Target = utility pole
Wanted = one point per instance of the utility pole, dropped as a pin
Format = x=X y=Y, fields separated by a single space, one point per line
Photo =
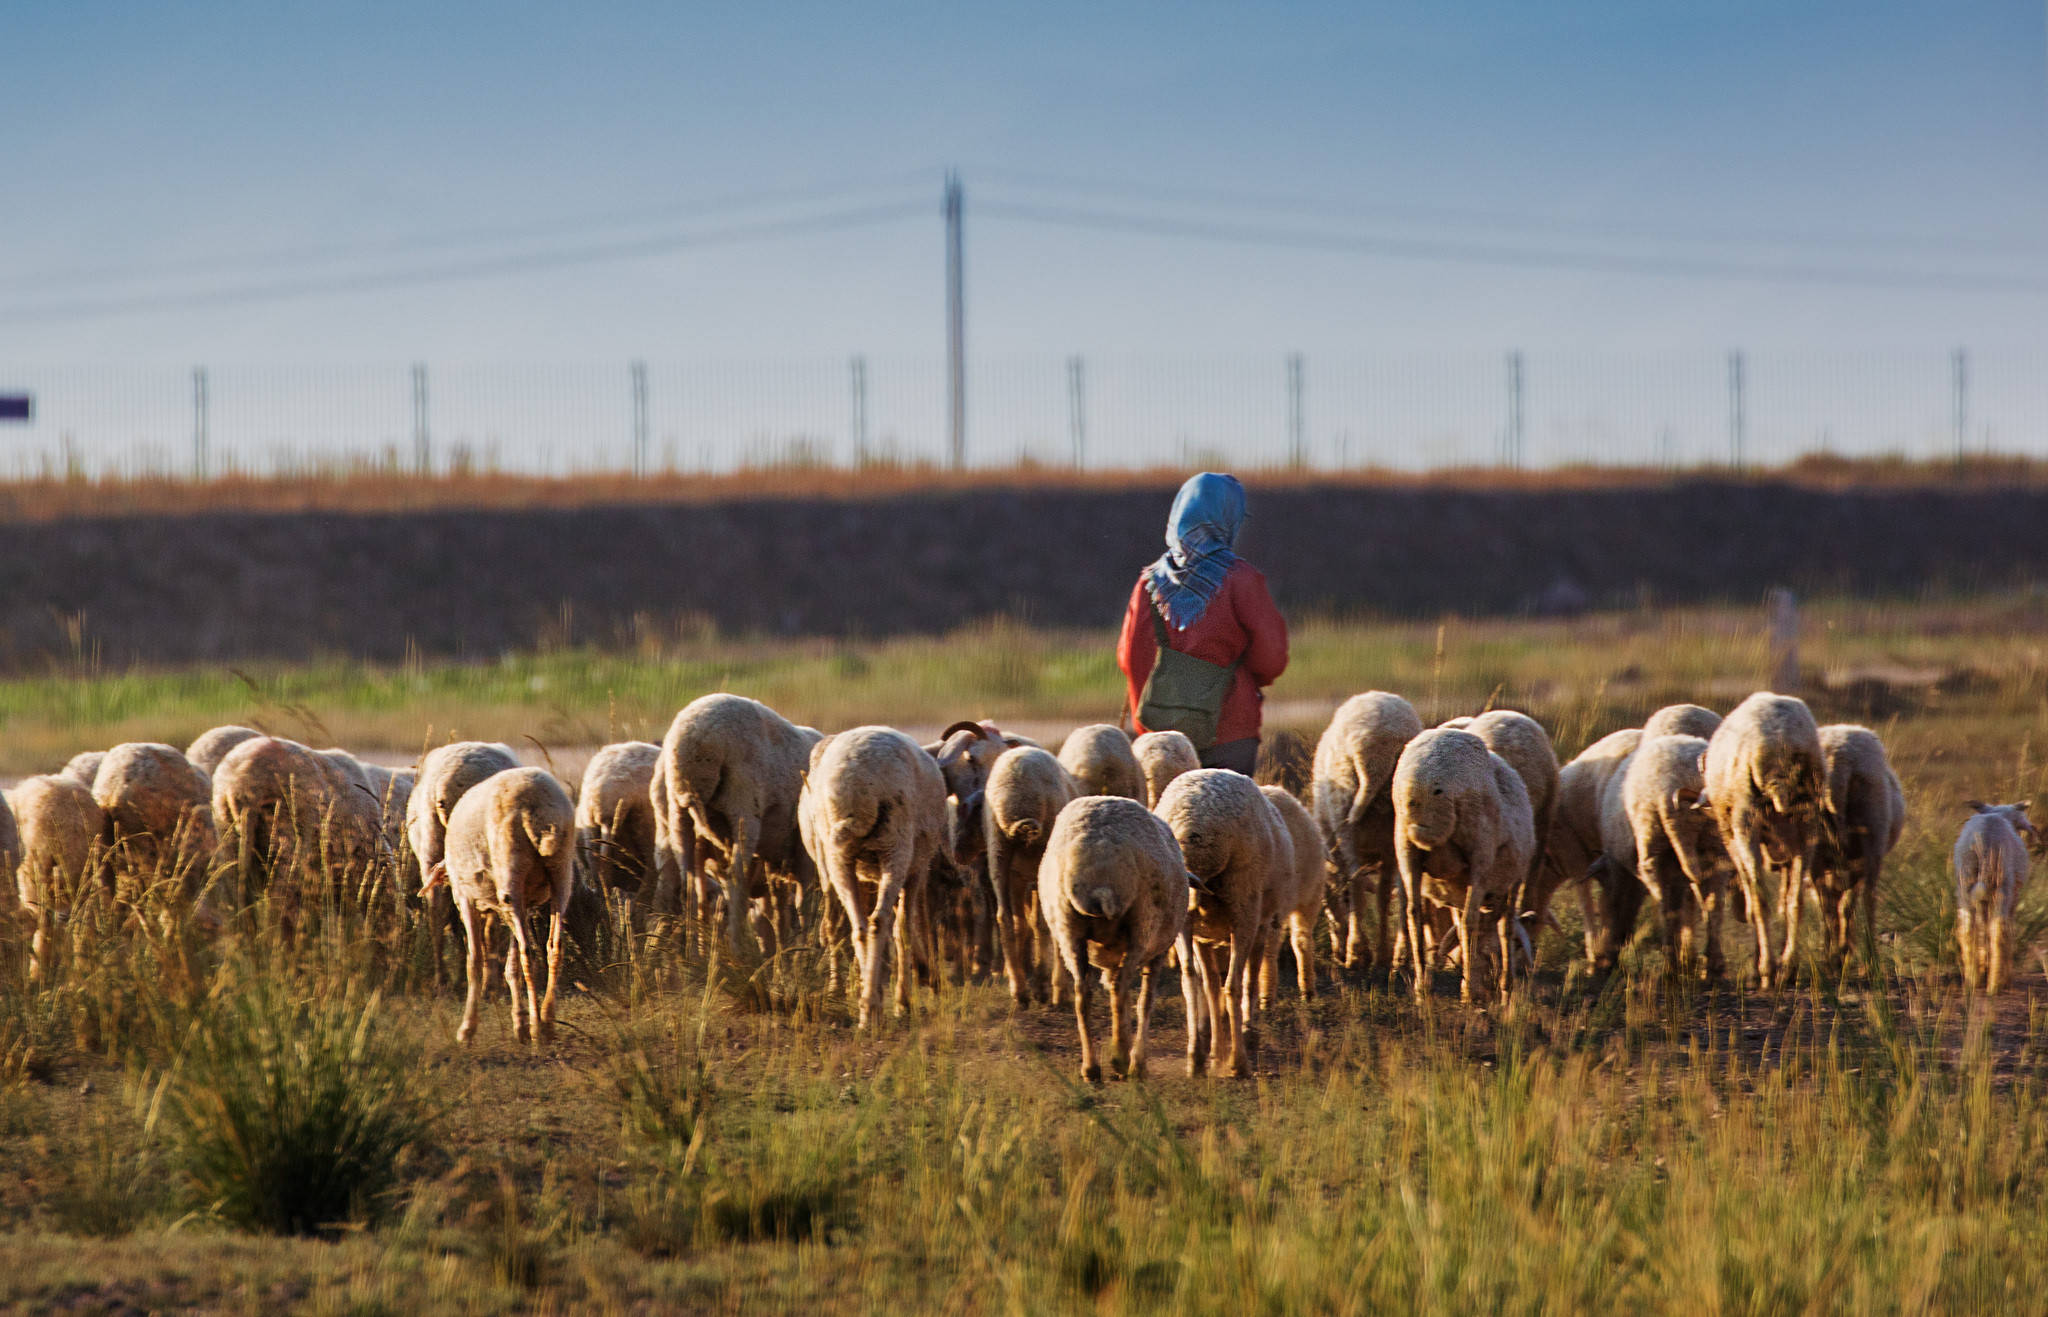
x=422 y=447
x=1297 y=428
x=1959 y=368
x=858 y=369
x=640 y=419
x=956 y=323
x=199 y=409
x=1511 y=444
x=1738 y=420
x=1077 y=411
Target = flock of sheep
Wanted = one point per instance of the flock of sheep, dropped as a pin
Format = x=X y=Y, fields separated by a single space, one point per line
x=1115 y=856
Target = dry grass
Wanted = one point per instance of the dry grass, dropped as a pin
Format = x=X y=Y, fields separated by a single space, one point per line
x=700 y=1139
x=380 y=487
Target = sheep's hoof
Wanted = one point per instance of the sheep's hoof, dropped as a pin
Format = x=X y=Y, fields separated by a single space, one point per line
x=1237 y=1070
x=1091 y=1074
x=465 y=1033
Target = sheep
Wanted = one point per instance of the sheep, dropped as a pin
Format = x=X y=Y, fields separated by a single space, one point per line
x=1990 y=864
x=1354 y=764
x=84 y=766
x=1521 y=740
x=1682 y=720
x=353 y=769
x=158 y=813
x=873 y=819
x=210 y=747
x=1100 y=760
x=58 y=825
x=446 y=774
x=1462 y=821
x=1026 y=791
x=290 y=809
x=393 y=789
x=1866 y=813
x=1231 y=840
x=10 y=862
x=510 y=846
x=1162 y=757
x=965 y=753
x=615 y=819
x=1767 y=794
x=1113 y=891
x=1656 y=838
x=734 y=769
x=1575 y=844
x=1296 y=896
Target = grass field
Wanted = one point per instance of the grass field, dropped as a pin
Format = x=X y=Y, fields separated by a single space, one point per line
x=704 y=1139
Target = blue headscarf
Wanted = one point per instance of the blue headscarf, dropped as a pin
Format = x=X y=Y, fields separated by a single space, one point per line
x=1207 y=515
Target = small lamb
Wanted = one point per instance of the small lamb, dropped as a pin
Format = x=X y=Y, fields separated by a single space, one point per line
x=1990 y=863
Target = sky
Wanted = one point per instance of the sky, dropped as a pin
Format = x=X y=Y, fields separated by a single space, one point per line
x=261 y=183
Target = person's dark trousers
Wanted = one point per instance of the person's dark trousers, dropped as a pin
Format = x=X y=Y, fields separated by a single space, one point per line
x=1240 y=756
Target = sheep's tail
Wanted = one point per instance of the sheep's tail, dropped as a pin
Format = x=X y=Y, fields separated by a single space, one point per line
x=1025 y=832
x=1100 y=902
x=847 y=831
x=547 y=840
x=1369 y=789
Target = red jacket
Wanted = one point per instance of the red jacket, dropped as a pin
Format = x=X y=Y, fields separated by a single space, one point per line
x=1240 y=626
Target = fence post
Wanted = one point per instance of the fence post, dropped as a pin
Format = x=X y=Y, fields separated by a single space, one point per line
x=858 y=369
x=1077 y=411
x=422 y=446
x=1783 y=608
x=1511 y=442
x=639 y=373
x=199 y=419
x=1738 y=420
x=1297 y=427
x=1959 y=384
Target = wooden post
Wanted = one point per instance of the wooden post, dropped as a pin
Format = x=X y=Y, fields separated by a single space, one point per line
x=1783 y=607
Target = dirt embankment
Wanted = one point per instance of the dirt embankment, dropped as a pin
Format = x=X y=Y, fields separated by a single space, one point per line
x=233 y=586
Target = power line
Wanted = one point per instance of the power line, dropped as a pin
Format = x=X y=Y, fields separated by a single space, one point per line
x=483 y=268
x=1507 y=254
x=1141 y=193
x=422 y=242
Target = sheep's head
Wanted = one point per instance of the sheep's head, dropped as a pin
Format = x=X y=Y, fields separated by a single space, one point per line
x=966 y=752
x=2015 y=814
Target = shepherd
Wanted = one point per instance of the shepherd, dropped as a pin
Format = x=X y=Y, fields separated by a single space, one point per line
x=1201 y=637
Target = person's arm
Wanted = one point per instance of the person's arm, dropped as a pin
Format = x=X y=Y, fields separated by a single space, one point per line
x=1136 y=649
x=1266 y=656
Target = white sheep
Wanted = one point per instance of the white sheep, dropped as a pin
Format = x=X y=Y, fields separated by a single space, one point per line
x=1682 y=720
x=159 y=813
x=1866 y=814
x=446 y=774
x=1162 y=757
x=1575 y=843
x=351 y=768
x=210 y=747
x=1231 y=840
x=1026 y=791
x=615 y=819
x=733 y=771
x=1767 y=794
x=1464 y=833
x=59 y=825
x=1655 y=838
x=290 y=810
x=1990 y=864
x=510 y=850
x=1113 y=892
x=1354 y=811
x=1100 y=760
x=873 y=819
x=84 y=767
x=964 y=900
x=1296 y=897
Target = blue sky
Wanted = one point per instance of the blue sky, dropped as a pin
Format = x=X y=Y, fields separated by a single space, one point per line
x=175 y=151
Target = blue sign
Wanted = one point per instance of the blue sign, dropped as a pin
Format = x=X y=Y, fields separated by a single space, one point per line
x=17 y=407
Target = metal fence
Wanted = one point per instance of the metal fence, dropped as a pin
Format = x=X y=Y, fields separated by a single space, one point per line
x=1413 y=411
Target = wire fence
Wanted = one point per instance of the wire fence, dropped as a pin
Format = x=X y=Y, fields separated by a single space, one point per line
x=1415 y=411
